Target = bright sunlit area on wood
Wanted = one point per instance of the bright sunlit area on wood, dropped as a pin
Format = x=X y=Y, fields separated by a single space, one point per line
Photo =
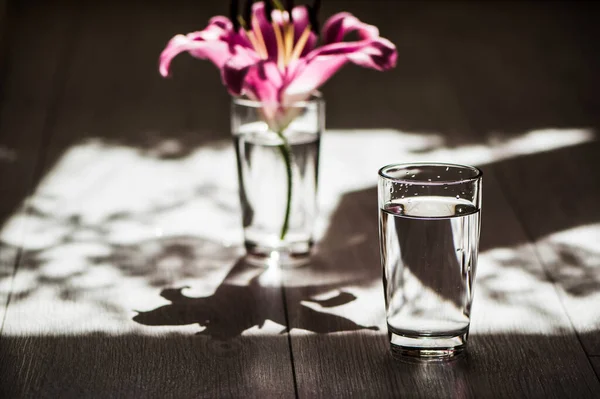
x=110 y=226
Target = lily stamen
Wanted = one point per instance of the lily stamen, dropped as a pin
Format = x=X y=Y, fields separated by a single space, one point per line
x=260 y=40
x=289 y=40
x=248 y=33
x=280 y=48
x=252 y=39
x=300 y=44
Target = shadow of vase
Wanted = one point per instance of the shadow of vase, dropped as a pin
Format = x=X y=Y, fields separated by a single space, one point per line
x=234 y=308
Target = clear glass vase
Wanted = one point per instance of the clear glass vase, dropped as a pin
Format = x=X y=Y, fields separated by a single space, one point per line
x=277 y=150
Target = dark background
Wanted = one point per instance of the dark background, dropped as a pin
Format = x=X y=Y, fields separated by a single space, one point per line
x=511 y=66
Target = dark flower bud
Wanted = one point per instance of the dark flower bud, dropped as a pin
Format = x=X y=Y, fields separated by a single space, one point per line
x=268 y=10
x=289 y=7
x=313 y=12
x=233 y=14
x=248 y=13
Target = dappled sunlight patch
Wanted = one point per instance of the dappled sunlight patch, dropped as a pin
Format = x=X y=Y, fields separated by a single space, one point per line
x=350 y=159
x=572 y=258
x=101 y=186
x=24 y=282
x=516 y=294
x=538 y=141
x=111 y=226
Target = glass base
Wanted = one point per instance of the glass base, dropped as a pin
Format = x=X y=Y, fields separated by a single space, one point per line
x=289 y=256
x=414 y=347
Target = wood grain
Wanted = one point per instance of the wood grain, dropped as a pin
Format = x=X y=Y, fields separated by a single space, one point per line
x=131 y=365
x=165 y=354
x=517 y=312
x=118 y=229
x=596 y=363
x=541 y=187
x=489 y=370
x=521 y=322
x=566 y=241
x=506 y=95
x=28 y=91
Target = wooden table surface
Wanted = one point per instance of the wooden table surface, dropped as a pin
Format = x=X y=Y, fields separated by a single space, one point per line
x=120 y=266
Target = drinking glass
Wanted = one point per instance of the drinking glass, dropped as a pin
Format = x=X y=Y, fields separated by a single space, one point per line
x=429 y=224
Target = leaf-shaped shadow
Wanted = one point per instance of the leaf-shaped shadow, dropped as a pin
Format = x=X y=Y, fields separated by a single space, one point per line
x=233 y=308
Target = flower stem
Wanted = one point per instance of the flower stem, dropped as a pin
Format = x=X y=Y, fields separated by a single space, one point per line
x=284 y=149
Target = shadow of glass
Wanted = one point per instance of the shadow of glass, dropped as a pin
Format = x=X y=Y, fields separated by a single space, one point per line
x=552 y=191
x=350 y=249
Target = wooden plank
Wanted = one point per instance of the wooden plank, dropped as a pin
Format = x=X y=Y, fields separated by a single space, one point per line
x=8 y=258
x=503 y=92
x=596 y=363
x=127 y=214
x=97 y=366
x=78 y=338
x=517 y=317
x=554 y=192
x=567 y=241
x=27 y=93
x=513 y=324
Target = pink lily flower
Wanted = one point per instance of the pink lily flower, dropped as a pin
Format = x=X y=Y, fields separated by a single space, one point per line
x=273 y=56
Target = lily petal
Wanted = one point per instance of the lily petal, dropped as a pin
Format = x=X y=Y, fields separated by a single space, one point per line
x=340 y=24
x=216 y=42
x=266 y=28
x=301 y=22
x=235 y=70
x=378 y=53
x=264 y=81
x=322 y=63
x=310 y=76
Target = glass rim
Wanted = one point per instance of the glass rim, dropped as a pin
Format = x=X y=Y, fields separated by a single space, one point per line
x=315 y=98
x=382 y=173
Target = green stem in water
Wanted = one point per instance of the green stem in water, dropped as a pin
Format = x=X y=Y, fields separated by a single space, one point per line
x=286 y=155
